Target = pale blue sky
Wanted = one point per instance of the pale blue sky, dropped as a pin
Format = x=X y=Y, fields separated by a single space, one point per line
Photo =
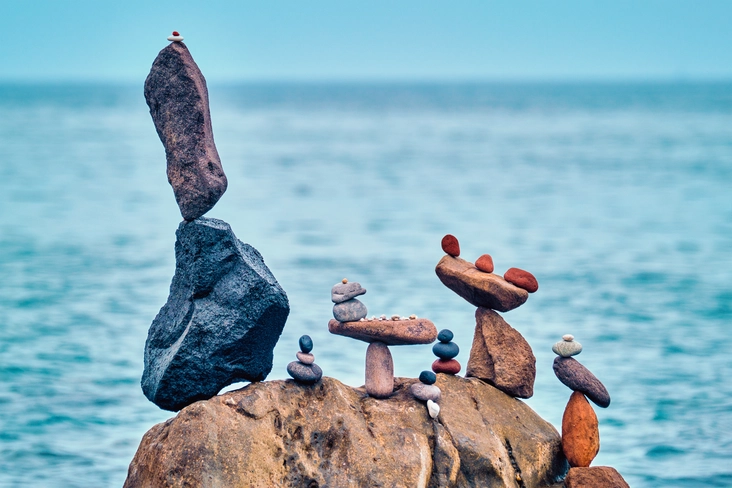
x=46 y=40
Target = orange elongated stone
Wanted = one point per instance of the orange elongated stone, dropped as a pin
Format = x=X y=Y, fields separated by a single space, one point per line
x=580 y=432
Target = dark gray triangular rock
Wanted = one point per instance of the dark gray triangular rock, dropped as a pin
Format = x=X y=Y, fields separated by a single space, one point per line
x=223 y=317
x=175 y=91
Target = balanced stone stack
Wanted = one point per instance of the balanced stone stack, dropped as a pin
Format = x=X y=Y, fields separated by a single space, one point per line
x=428 y=392
x=225 y=311
x=304 y=370
x=350 y=321
x=580 y=429
x=499 y=354
x=445 y=350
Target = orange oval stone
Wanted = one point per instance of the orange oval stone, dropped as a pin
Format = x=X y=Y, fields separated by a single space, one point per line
x=451 y=245
x=485 y=263
x=522 y=279
x=580 y=432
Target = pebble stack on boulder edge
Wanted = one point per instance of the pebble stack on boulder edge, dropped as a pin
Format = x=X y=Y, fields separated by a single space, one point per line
x=445 y=350
x=499 y=354
x=580 y=429
x=225 y=311
x=176 y=92
x=304 y=370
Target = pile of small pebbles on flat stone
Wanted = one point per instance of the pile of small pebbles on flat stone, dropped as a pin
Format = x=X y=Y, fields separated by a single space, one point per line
x=347 y=307
x=304 y=370
x=446 y=350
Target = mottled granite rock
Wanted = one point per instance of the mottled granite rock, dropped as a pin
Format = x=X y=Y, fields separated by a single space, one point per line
x=578 y=378
x=223 y=317
x=175 y=91
x=281 y=434
x=501 y=356
x=350 y=310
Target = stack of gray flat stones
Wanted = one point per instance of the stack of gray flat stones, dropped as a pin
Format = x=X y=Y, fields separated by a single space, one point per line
x=304 y=370
x=347 y=307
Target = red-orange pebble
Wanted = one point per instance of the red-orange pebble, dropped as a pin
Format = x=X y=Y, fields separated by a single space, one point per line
x=447 y=366
x=451 y=245
x=522 y=279
x=485 y=263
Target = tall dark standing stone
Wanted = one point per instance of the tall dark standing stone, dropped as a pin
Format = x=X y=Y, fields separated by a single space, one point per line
x=175 y=91
x=223 y=317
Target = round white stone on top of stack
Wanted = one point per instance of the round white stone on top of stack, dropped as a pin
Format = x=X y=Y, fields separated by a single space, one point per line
x=567 y=347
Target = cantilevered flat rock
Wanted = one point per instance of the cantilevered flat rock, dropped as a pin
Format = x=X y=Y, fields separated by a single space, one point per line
x=390 y=332
x=481 y=289
x=175 y=91
x=223 y=317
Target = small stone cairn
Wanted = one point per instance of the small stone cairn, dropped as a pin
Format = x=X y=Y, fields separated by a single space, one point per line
x=350 y=321
x=428 y=392
x=446 y=351
x=580 y=429
x=499 y=355
x=304 y=370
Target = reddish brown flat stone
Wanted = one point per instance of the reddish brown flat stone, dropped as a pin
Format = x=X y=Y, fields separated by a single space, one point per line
x=485 y=263
x=451 y=245
x=580 y=432
x=595 y=477
x=522 y=279
x=447 y=366
x=175 y=91
x=478 y=288
x=390 y=332
x=501 y=356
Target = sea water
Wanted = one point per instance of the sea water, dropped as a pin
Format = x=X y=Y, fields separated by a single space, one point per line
x=617 y=197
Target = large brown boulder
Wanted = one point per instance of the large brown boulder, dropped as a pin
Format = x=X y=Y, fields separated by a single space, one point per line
x=280 y=433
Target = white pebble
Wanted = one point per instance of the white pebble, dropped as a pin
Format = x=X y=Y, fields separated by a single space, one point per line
x=383 y=317
x=394 y=317
x=433 y=409
x=175 y=38
x=412 y=317
x=568 y=337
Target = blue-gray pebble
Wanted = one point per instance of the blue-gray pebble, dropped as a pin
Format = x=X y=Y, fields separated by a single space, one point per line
x=306 y=344
x=304 y=373
x=445 y=350
x=445 y=335
x=427 y=377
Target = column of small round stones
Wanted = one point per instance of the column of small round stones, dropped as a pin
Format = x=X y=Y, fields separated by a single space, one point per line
x=428 y=392
x=580 y=430
x=347 y=307
x=304 y=370
x=446 y=351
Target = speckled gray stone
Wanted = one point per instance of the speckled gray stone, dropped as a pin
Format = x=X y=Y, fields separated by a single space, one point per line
x=425 y=392
x=305 y=358
x=345 y=291
x=349 y=311
x=567 y=348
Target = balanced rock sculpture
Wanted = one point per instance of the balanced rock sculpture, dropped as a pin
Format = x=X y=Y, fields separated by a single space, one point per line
x=499 y=355
x=175 y=91
x=380 y=334
x=223 y=317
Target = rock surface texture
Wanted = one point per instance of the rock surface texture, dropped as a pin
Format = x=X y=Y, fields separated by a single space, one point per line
x=578 y=378
x=594 y=477
x=501 y=356
x=478 y=288
x=281 y=434
x=175 y=91
x=223 y=317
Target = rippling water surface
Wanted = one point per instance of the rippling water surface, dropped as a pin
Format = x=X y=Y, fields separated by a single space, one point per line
x=617 y=197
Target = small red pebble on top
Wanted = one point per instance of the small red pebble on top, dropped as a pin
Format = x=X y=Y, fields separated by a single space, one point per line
x=522 y=279
x=451 y=245
x=485 y=263
x=176 y=33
